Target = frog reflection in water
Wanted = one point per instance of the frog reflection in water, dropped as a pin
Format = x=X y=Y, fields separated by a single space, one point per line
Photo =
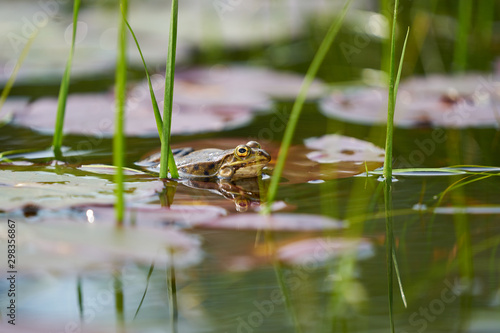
x=233 y=169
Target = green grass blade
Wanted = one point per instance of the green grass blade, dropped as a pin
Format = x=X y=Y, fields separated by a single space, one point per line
x=63 y=90
x=159 y=123
x=485 y=21
x=297 y=106
x=280 y=277
x=394 y=257
x=400 y=68
x=398 y=274
x=385 y=9
x=119 y=302
x=462 y=36
x=393 y=90
x=169 y=91
x=79 y=292
x=151 y=268
x=119 y=135
x=172 y=293
x=389 y=243
x=10 y=82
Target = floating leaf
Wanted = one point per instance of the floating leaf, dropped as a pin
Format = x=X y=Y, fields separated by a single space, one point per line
x=51 y=188
x=219 y=83
x=67 y=246
x=477 y=210
x=334 y=148
x=92 y=115
x=332 y=156
x=419 y=172
x=10 y=106
x=317 y=251
x=279 y=221
x=154 y=216
x=443 y=101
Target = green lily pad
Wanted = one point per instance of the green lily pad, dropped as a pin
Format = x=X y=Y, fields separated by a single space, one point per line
x=49 y=187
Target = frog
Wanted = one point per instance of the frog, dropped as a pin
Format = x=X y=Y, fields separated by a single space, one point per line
x=244 y=161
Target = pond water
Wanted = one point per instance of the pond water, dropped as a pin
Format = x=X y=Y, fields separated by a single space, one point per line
x=197 y=256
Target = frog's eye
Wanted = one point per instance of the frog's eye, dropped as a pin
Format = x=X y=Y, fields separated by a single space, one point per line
x=242 y=151
x=253 y=144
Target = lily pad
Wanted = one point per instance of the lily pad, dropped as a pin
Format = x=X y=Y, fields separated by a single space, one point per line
x=443 y=101
x=471 y=210
x=93 y=115
x=329 y=157
x=51 y=188
x=10 y=106
x=422 y=172
x=57 y=244
x=317 y=251
x=231 y=82
x=334 y=148
x=278 y=222
x=154 y=216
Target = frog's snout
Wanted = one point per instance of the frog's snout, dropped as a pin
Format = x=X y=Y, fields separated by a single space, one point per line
x=264 y=155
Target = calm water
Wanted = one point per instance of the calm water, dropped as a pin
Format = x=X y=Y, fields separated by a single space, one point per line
x=448 y=256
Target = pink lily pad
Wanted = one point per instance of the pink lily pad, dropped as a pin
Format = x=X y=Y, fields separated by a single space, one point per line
x=334 y=148
x=93 y=115
x=155 y=216
x=59 y=244
x=317 y=251
x=279 y=222
x=11 y=106
x=442 y=101
x=229 y=81
x=328 y=157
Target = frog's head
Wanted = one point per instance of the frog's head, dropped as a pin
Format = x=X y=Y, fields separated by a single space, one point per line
x=244 y=162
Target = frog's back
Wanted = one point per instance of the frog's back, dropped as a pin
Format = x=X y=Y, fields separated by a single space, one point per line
x=201 y=163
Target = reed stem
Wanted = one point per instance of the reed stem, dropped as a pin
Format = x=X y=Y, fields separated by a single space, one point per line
x=63 y=90
x=159 y=123
x=169 y=91
x=464 y=22
x=119 y=135
x=299 y=103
